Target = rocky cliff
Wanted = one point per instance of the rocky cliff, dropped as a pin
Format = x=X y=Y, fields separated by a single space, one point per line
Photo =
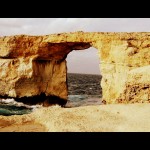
x=35 y=66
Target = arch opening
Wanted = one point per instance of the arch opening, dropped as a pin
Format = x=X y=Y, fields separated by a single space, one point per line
x=83 y=78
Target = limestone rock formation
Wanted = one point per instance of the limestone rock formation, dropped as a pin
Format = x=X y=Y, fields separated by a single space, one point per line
x=35 y=65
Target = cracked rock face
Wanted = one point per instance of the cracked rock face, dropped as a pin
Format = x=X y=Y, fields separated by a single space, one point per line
x=33 y=65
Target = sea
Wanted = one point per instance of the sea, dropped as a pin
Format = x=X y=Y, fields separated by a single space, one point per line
x=83 y=90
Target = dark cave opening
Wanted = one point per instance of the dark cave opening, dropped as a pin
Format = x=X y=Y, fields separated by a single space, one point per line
x=41 y=99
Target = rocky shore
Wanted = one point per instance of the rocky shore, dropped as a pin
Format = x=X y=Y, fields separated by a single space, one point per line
x=102 y=118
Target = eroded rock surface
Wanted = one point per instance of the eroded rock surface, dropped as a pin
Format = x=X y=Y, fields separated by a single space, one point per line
x=35 y=65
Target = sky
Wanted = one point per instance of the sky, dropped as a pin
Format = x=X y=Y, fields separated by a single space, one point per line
x=85 y=61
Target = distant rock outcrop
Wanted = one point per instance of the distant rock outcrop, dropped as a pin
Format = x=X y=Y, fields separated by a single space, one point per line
x=35 y=65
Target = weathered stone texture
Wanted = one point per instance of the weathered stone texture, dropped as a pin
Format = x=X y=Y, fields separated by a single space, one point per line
x=124 y=67
x=31 y=65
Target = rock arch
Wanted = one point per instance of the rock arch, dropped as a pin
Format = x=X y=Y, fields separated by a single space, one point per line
x=33 y=65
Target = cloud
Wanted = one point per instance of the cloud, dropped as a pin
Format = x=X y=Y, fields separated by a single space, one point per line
x=84 y=61
x=41 y=26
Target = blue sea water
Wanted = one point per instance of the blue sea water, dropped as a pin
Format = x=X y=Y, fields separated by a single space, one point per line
x=73 y=101
x=83 y=90
x=8 y=110
x=83 y=100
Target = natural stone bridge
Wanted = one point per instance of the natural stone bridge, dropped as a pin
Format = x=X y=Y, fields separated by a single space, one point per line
x=33 y=67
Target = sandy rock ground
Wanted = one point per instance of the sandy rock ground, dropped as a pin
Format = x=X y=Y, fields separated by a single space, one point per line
x=102 y=118
x=22 y=123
